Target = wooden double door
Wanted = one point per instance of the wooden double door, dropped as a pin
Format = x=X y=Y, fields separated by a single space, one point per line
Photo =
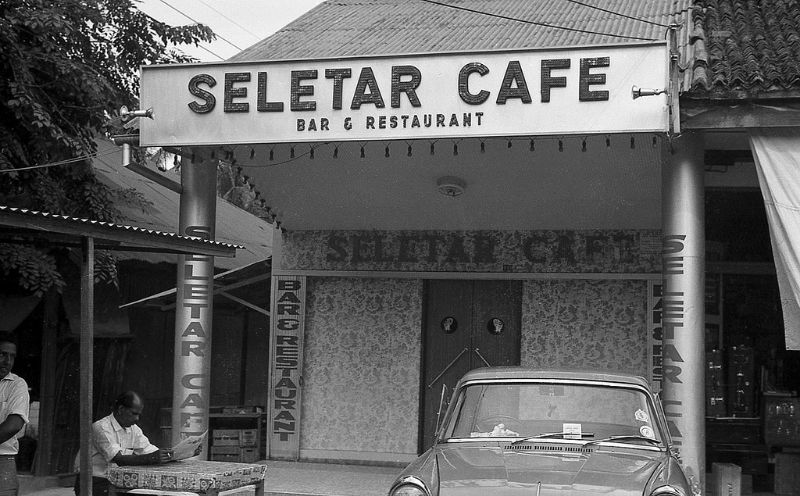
x=468 y=324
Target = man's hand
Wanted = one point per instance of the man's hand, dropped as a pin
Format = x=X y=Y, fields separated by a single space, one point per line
x=163 y=456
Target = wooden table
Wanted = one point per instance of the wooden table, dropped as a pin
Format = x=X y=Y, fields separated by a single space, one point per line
x=195 y=476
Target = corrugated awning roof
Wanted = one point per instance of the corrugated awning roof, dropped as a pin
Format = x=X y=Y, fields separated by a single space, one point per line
x=19 y=225
x=339 y=28
x=161 y=208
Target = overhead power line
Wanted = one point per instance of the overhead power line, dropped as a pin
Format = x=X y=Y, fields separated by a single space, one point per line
x=198 y=45
x=582 y=4
x=258 y=38
x=535 y=23
x=201 y=47
x=198 y=22
x=60 y=162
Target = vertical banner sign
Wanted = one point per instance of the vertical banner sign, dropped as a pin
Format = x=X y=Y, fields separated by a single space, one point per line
x=288 y=311
x=194 y=304
x=655 y=334
x=683 y=304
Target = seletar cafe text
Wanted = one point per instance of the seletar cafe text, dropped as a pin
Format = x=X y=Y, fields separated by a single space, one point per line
x=481 y=94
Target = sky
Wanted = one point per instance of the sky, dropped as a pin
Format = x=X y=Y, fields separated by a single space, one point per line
x=238 y=24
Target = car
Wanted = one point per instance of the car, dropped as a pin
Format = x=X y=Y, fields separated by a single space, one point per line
x=523 y=431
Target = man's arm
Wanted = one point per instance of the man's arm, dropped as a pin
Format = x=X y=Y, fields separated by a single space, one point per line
x=102 y=435
x=10 y=427
x=154 y=458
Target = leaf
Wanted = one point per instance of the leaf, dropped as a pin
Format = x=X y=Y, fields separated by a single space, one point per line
x=67 y=66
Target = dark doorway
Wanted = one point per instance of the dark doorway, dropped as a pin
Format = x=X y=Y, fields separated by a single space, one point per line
x=468 y=324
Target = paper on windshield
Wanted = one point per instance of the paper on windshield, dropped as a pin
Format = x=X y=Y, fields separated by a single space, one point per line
x=572 y=431
x=187 y=448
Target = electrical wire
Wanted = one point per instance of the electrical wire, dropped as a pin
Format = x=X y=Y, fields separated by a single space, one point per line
x=198 y=22
x=582 y=4
x=535 y=23
x=60 y=162
x=201 y=47
x=178 y=46
x=258 y=38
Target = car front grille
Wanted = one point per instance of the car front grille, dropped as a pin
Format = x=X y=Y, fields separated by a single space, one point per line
x=550 y=448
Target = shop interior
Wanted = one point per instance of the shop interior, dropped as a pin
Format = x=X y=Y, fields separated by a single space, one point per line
x=752 y=381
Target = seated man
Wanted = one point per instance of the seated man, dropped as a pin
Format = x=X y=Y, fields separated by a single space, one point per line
x=116 y=439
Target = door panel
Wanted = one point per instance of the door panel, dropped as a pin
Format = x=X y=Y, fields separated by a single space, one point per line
x=446 y=353
x=450 y=352
x=497 y=300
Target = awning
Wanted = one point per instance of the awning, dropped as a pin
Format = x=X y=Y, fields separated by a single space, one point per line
x=27 y=226
x=161 y=207
x=777 y=158
x=19 y=225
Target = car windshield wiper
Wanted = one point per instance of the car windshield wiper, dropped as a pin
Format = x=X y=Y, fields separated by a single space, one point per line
x=612 y=439
x=562 y=435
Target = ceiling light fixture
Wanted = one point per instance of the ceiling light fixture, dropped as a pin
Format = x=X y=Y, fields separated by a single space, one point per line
x=450 y=186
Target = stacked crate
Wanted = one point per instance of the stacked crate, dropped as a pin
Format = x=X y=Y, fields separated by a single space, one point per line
x=234 y=445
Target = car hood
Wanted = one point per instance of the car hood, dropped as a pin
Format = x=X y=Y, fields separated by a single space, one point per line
x=561 y=469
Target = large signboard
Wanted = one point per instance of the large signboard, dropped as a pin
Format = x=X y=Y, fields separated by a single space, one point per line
x=456 y=95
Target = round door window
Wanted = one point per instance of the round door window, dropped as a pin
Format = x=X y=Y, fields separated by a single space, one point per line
x=495 y=325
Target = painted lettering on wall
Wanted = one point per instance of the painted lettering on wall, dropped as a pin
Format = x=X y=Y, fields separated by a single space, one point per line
x=672 y=316
x=195 y=339
x=618 y=251
x=655 y=333
x=288 y=317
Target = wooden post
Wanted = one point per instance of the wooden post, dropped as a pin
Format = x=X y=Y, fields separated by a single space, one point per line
x=43 y=459
x=87 y=362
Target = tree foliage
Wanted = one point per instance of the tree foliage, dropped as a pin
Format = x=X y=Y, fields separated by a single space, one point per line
x=68 y=66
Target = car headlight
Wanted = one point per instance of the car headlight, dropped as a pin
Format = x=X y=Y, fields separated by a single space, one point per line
x=409 y=486
x=408 y=490
x=667 y=491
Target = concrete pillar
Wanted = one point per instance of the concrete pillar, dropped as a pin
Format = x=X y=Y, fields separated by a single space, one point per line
x=191 y=387
x=683 y=302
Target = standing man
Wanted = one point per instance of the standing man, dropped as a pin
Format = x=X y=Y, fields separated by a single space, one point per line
x=116 y=439
x=14 y=405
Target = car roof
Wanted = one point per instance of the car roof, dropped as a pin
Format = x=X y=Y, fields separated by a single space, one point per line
x=516 y=373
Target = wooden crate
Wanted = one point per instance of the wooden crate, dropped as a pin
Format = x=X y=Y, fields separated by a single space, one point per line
x=787 y=474
x=726 y=479
x=249 y=455
x=225 y=437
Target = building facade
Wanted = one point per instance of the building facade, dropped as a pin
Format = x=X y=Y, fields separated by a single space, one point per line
x=485 y=184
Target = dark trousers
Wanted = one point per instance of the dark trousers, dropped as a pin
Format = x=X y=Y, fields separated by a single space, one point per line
x=9 y=485
x=100 y=486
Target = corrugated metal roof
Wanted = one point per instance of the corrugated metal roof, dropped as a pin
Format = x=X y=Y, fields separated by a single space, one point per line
x=161 y=212
x=108 y=227
x=339 y=28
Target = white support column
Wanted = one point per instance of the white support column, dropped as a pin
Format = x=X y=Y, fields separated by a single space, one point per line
x=194 y=306
x=683 y=302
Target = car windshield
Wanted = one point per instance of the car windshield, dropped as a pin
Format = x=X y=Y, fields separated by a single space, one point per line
x=552 y=411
